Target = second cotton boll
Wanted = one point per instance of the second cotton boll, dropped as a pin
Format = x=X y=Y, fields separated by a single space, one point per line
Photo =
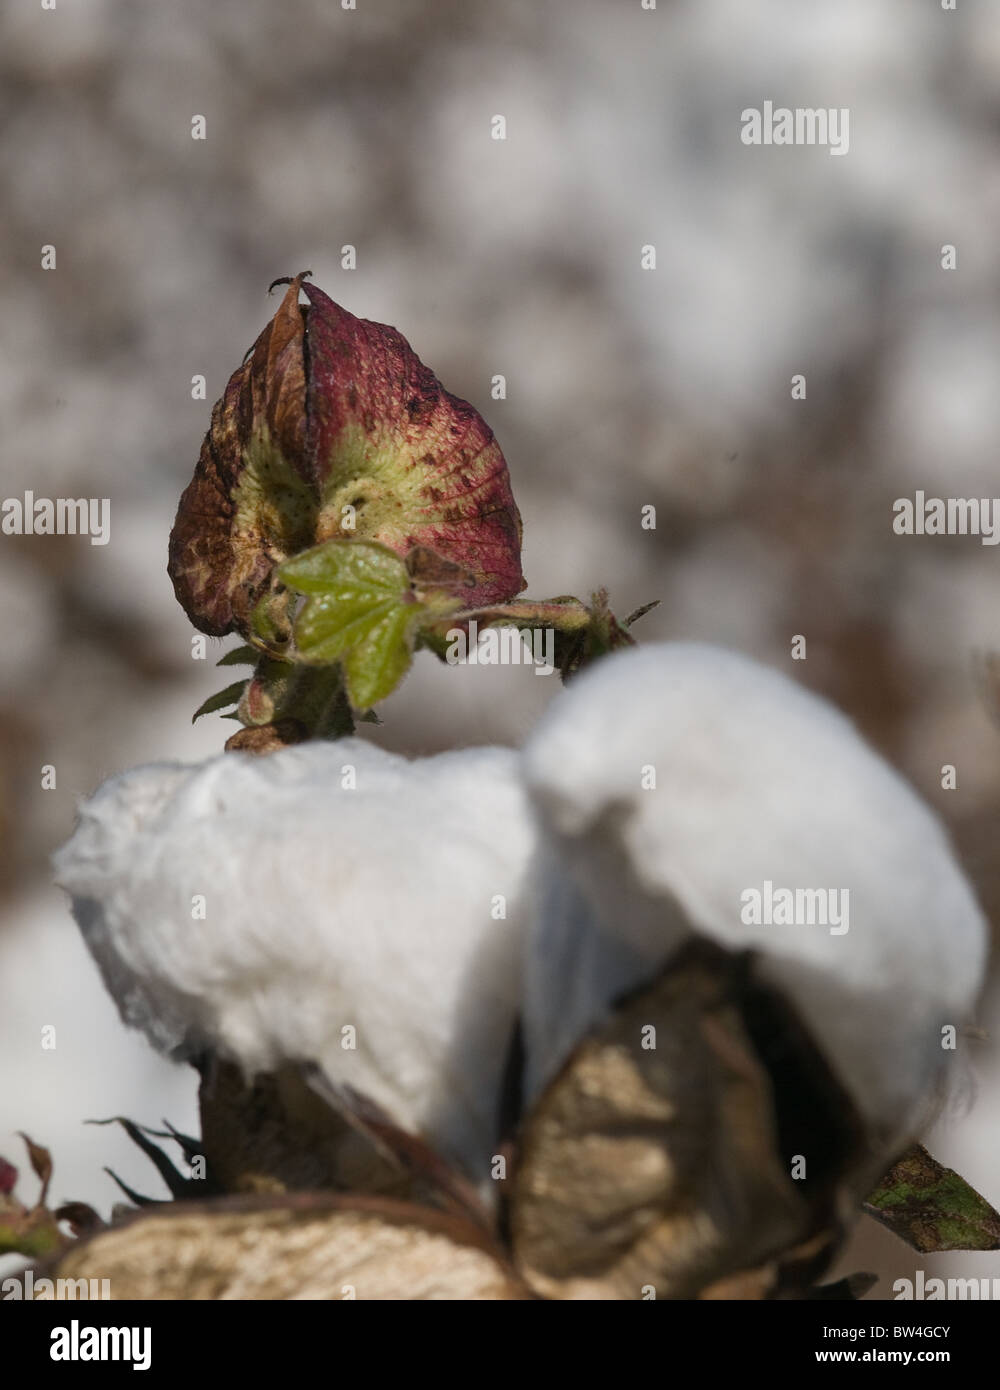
x=684 y=791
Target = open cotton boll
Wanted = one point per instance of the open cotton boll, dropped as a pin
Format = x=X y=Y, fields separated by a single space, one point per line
x=260 y=907
x=675 y=783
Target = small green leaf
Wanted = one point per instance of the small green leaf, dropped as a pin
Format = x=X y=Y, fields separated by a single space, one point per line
x=360 y=611
x=351 y=565
x=230 y=696
x=932 y=1208
x=330 y=626
x=373 y=669
x=240 y=656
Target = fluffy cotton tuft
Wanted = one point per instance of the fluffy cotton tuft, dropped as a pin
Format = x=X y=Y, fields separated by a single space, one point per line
x=377 y=907
x=324 y=907
x=756 y=780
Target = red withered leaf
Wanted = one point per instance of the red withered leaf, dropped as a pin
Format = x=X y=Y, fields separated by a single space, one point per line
x=333 y=427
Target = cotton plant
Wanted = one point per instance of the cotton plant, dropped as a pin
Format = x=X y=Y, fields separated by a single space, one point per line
x=495 y=1023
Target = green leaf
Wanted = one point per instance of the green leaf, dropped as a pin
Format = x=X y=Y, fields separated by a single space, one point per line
x=240 y=656
x=364 y=566
x=230 y=696
x=360 y=611
x=932 y=1208
x=372 y=670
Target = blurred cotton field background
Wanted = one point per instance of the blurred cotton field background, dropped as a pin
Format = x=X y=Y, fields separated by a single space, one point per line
x=625 y=387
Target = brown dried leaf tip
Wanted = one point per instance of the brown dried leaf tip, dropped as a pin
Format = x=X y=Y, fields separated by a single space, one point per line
x=34 y=1231
x=332 y=428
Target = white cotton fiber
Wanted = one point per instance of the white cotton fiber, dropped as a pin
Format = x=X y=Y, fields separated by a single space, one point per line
x=756 y=781
x=325 y=908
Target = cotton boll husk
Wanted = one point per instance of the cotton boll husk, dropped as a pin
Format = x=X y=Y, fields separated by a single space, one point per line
x=756 y=779
x=324 y=907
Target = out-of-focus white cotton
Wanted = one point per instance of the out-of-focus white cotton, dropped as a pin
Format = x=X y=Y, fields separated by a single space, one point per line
x=756 y=781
